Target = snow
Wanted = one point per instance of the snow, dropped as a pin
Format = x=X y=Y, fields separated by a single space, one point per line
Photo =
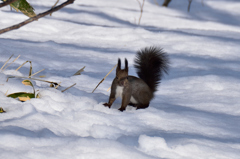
x=195 y=113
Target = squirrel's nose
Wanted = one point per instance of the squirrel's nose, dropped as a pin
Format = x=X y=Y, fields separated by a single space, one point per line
x=121 y=83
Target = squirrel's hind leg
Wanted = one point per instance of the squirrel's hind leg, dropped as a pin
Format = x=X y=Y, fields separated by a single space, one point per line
x=142 y=106
x=131 y=104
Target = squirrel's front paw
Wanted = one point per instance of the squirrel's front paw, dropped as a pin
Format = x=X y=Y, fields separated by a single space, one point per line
x=107 y=105
x=121 y=109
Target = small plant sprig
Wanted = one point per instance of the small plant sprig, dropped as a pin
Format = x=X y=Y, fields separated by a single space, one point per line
x=24 y=96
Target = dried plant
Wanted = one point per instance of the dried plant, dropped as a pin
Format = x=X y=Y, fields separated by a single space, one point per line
x=24 y=96
x=141 y=9
x=104 y=78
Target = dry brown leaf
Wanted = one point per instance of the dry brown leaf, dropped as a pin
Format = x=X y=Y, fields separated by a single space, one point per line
x=24 y=98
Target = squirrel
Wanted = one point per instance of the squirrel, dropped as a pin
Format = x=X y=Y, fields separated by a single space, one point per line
x=151 y=63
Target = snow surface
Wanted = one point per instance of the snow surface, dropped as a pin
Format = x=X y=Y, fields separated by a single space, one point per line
x=194 y=115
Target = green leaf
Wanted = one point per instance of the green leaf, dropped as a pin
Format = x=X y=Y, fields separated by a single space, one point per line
x=24 y=7
x=22 y=96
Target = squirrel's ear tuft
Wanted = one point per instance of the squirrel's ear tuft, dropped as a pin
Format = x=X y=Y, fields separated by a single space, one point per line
x=126 y=64
x=119 y=64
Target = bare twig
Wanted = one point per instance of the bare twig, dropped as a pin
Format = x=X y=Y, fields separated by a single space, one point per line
x=21 y=65
x=36 y=17
x=54 y=6
x=104 y=78
x=79 y=71
x=6 y=93
x=36 y=73
x=11 y=63
x=6 y=62
x=69 y=87
x=141 y=7
x=189 y=4
x=7 y=3
x=55 y=83
x=58 y=85
x=30 y=70
x=109 y=88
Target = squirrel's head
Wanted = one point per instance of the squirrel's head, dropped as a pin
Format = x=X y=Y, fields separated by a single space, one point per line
x=122 y=74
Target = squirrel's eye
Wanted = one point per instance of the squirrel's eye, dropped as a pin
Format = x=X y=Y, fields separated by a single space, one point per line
x=127 y=77
x=116 y=77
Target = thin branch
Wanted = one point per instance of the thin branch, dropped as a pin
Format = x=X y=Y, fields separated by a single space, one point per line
x=189 y=4
x=79 y=71
x=141 y=12
x=36 y=73
x=69 y=87
x=58 y=85
x=54 y=6
x=141 y=7
x=10 y=63
x=22 y=65
x=36 y=17
x=6 y=93
x=55 y=83
x=6 y=62
x=30 y=69
x=7 y=3
x=104 y=78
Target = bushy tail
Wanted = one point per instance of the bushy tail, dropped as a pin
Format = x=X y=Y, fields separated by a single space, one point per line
x=151 y=63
